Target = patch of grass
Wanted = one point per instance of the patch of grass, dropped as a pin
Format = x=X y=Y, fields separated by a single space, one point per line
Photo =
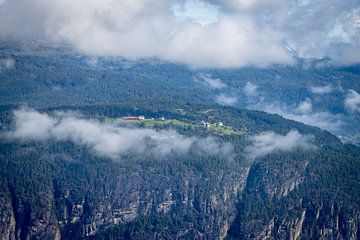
x=181 y=111
x=151 y=123
x=225 y=130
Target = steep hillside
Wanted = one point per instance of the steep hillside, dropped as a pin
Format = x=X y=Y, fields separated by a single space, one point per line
x=62 y=190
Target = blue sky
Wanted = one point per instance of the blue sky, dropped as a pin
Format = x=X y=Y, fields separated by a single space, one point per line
x=198 y=11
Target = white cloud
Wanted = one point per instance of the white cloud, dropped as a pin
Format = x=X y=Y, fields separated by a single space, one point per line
x=352 y=101
x=213 y=83
x=109 y=140
x=7 y=63
x=213 y=33
x=322 y=89
x=269 y=142
x=142 y=28
x=226 y=100
x=253 y=4
x=304 y=107
x=250 y=89
x=233 y=41
x=32 y=124
x=211 y=146
x=301 y=112
x=304 y=113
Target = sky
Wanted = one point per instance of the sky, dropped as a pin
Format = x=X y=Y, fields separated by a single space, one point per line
x=202 y=34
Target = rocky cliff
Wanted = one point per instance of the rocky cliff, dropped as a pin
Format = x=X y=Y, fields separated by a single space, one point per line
x=211 y=205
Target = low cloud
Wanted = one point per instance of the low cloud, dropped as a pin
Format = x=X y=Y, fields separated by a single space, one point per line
x=210 y=146
x=352 y=101
x=322 y=89
x=109 y=140
x=210 y=82
x=304 y=107
x=270 y=142
x=208 y=33
x=225 y=100
x=304 y=113
x=7 y=63
x=223 y=96
x=250 y=89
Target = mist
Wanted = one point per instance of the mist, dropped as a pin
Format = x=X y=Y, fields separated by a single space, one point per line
x=109 y=140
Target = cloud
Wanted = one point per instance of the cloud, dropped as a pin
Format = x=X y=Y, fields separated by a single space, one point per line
x=226 y=100
x=7 y=63
x=109 y=140
x=325 y=29
x=235 y=41
x=212 y=33
x=32 y=124
x=250 y=89
x=211 y=82
x=269 y=142
x=210 y=146
x=322 y=89
x=142 y=28
x=304 y=107
x=253 y=4
x=304 y=113
x=352 y=101
x=222 y=97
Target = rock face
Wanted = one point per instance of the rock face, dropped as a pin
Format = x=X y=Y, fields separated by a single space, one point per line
x=285 y=211
x=306 y=225
x=58 y=190
x=66 y=213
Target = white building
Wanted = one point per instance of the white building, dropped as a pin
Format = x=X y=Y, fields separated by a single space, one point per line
x=206 y=124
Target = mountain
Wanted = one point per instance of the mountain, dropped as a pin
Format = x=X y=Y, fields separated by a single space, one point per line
x=194 y=169
x=61 y=190
x=45 y=77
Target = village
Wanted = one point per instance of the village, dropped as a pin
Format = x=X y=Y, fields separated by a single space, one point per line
x=203 y=123
x=217 y=127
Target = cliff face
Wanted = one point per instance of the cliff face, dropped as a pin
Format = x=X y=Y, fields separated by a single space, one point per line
x=313 y=222
x=59 y=190
x=216 y=201
x=279 y=203
x=65 y=215
x=20 y=219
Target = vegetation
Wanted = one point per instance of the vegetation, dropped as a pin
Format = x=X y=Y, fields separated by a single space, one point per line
x=47 y=185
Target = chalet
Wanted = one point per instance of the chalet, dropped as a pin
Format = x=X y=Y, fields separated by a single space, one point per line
x=220 y=124
x=133 y=118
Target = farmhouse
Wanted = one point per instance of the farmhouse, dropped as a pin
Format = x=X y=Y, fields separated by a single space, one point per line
x=133 y=118
x=205 y=124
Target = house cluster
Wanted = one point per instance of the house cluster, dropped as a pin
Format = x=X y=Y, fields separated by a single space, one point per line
x=134 y=118
x=208 y=125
